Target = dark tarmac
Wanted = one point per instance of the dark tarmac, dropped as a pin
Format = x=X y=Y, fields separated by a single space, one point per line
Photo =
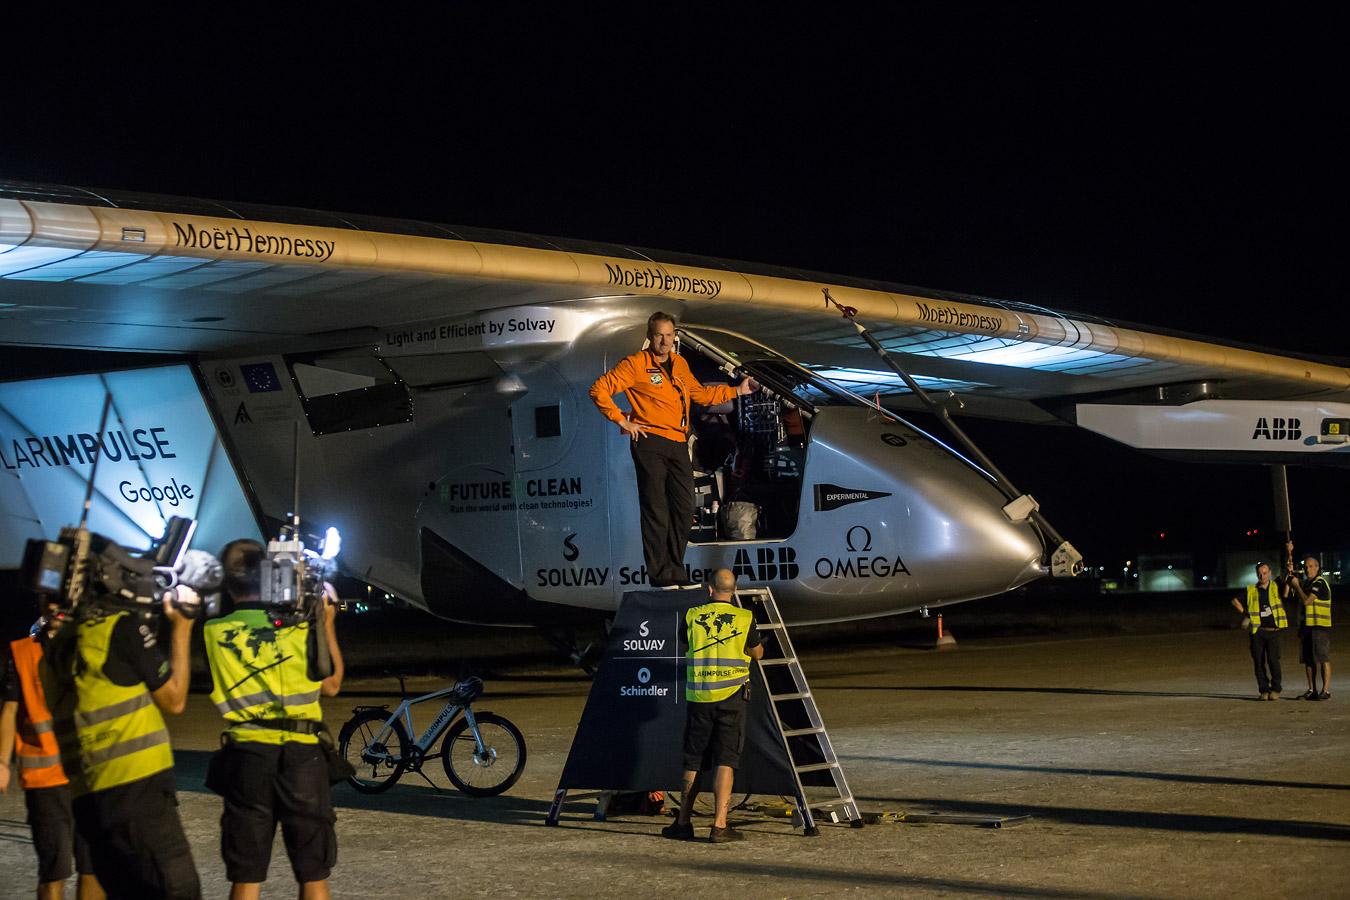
x=1144 y=761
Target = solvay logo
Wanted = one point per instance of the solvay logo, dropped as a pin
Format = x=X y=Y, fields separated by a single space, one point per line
x=643 y=629
x=1277 y=429
x=570 y=551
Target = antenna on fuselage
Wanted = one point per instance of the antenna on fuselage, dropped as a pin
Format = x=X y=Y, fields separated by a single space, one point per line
x=98 y=455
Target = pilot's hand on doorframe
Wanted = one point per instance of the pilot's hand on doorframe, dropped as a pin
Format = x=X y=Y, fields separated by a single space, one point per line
x=748 y=385
x=633 y=429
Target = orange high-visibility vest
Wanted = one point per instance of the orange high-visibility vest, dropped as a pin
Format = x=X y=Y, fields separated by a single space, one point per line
x=38 y=756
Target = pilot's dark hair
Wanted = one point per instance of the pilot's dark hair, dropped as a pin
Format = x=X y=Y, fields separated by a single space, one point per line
x=242 y=562
x=658 y=317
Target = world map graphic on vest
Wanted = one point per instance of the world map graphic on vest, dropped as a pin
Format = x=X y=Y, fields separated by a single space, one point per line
x=714 y=625
x=253 y=647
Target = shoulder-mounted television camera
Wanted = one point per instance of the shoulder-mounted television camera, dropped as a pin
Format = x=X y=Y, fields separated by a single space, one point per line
x=293 y=586
x=82 y=568
x=293 y=577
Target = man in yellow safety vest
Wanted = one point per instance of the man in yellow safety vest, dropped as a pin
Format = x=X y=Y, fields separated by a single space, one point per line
x=722 y=641
x=1315 y=633
x=108 y=685
x=271 y=769
x=1265 y=620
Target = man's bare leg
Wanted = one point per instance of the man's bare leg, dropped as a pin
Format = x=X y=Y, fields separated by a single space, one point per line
x=315 y=890
x=51 y=890
x=722 y=793
x=246 y=890
x=688 y=792
x=1326 y=677
x=88 y=888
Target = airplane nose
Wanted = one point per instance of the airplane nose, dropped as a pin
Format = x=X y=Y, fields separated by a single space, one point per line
x=941 y=533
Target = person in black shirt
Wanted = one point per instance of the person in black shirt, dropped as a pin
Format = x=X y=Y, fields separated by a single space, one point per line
x=108 y=684
x=1315 y=630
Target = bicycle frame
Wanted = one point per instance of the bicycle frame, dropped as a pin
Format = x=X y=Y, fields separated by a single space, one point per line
x=443 y=721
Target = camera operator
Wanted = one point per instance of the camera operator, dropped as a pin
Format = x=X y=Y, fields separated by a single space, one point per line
x=26 y=725
x=271 y=768
x=108 y=685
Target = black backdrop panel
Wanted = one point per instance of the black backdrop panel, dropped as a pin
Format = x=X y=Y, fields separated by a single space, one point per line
x=631 y=733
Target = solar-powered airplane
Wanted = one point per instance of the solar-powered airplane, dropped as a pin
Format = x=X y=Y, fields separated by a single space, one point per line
x=439 y=377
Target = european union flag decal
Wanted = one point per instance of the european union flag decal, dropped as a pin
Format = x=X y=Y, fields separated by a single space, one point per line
x=260 y=377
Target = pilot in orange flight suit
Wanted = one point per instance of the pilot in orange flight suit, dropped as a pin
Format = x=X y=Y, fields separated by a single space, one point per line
x=26 y=726
x=660 y=388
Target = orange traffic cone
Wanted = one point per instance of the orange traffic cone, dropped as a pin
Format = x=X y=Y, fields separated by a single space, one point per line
x=945 y=639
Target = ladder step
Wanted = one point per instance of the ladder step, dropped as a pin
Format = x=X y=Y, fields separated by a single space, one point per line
x=818 y=767
x=798 y=732
x=801 y=696
x=784 y=661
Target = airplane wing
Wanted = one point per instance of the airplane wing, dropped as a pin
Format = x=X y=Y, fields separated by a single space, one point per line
x=119 y=271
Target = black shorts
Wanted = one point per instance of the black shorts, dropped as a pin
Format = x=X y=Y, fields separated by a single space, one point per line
x=54 y=837
x=136 y=840
x=1315 y=646
x=267 y=784
x=714 y=733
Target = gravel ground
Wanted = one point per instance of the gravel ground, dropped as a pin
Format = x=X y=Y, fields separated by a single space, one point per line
x=1145 y=764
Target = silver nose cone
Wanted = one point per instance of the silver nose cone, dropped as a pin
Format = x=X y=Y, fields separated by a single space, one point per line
x=941 y=535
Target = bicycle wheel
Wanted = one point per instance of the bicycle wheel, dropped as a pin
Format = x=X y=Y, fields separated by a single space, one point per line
x=378 y=765
x=490 y=773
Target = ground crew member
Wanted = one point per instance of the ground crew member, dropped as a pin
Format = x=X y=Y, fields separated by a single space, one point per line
x=722 y=641
x=1315 y=633
x=1265 y=620
x=270 y=768
x=26 y=726
x=108 y=686
x=660 y=387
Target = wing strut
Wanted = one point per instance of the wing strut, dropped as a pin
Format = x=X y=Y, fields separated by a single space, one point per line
x=1065 y=560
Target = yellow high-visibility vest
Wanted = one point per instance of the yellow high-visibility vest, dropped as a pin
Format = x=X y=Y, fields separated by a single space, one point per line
x=717 y=665
x=115 y=734
x=1316 y=612
x=1254 y=608
x=260 y=672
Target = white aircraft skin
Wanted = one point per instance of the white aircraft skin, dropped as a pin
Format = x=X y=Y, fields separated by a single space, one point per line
x=466 y=511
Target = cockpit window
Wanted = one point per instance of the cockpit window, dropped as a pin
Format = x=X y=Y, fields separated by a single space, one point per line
x=791 y=382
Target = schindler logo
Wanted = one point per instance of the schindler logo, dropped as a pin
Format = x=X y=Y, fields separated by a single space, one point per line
x=1277 y=429
x=643 y=689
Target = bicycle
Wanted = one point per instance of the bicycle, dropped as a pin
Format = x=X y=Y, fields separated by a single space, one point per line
x=483 y=753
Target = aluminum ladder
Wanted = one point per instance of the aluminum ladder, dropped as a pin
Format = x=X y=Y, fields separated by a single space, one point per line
x=809 y=750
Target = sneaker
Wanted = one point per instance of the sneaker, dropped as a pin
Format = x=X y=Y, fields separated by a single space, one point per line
x=724 y=835
x=1274 y=695
x=1263 y=697
x=1309 y=695
x=678 y=831
x=1325 y=695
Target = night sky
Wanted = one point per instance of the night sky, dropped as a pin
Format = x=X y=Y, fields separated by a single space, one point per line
x=1180 y=169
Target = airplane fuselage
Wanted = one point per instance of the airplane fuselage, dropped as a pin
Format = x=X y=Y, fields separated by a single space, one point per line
x=504 y=493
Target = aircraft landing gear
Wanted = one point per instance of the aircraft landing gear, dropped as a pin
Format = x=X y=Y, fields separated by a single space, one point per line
x=582 y=653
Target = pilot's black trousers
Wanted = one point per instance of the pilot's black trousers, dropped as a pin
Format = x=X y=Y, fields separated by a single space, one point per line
x=1265 y=647
x=665 y=483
